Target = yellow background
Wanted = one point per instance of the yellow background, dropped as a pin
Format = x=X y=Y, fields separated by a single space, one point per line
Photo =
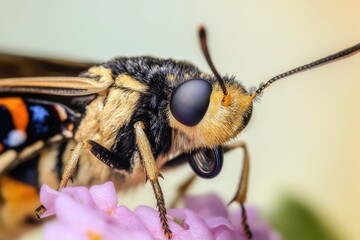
x=304 y=136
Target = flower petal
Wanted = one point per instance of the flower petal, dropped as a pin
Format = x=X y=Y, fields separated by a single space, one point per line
x=104 y=197
x=207 y=206
x=47 y=198
x=251 y=213
x=260 y=229
x=150 y=218
x=79 y=194
x=129 y=220
x=194 y=226
x=56 y=230
x=221 y=228
x=79 y=217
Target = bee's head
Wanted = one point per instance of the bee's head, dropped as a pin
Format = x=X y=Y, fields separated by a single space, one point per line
x=210 y=111
x=200 y=109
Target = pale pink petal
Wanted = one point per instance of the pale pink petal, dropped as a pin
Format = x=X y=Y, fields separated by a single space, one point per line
x=76 y=221
x=114 y=232
x=129 y=220
x=56 y=230
x=77 y=216
x=206 y=206
x=251 y=213
x=150 y=218
x=221 y=228
x=104 y=196
x=260 y=229
x=47 y=198
x=194 y=226
x=79 y=194
x=230 y=235
x=124 y=234
x=214 y=222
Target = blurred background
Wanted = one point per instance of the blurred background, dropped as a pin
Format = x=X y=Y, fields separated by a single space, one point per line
x=304 y=136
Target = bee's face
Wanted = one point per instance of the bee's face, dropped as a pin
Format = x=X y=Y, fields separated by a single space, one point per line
x=196 y=109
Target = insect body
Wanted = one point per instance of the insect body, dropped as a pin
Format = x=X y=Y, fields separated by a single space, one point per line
x=140 y=90
x=137 y=115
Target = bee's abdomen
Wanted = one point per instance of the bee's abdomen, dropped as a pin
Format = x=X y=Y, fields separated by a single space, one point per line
x=26 y=121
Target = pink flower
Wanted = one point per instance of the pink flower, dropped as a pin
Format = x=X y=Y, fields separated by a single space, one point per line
x=94 y=214
x=225 y=225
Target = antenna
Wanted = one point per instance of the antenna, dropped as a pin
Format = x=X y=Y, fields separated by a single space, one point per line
x=331 y=58
x=205 y=50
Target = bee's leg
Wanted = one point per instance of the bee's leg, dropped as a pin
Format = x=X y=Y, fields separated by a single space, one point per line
x=71 y=164
x=183 y=188
x=106 y=156
x=152 y=173
x=240 y=196
x=67 y=173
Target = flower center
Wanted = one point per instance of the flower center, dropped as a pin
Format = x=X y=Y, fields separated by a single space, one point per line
x=93 y=236
x=109 y=212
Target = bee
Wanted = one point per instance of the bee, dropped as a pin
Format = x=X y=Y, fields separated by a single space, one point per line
x=137 y=115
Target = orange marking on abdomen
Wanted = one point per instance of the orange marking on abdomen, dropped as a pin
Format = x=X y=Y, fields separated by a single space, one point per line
x=18 y=201
x=18 y=111
x=1 y=147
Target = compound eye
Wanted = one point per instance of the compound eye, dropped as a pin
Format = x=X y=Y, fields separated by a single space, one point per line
x=189 y=102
